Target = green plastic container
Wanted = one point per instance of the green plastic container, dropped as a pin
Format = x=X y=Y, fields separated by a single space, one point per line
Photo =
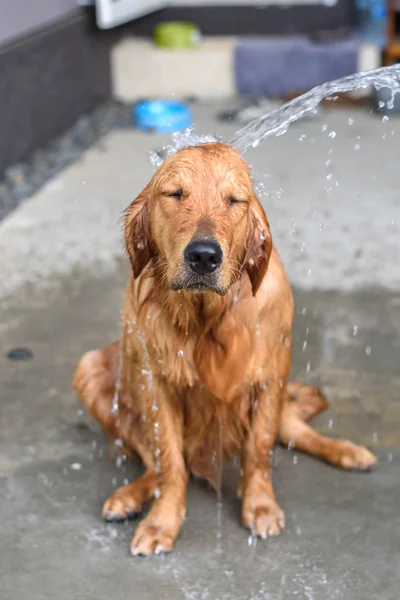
x=176 y=35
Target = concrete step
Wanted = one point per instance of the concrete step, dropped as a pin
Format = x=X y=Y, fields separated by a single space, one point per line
x=141 y=70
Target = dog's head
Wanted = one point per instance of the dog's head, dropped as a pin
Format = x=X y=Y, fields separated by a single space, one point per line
x=200 y=222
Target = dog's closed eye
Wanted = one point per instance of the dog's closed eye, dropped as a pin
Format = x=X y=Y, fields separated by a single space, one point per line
x=236 y=200
x=178 y=194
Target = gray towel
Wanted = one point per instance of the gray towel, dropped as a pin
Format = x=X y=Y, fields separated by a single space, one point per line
x=278 y=66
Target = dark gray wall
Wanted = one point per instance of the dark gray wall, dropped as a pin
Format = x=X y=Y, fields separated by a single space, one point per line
x=18 y=17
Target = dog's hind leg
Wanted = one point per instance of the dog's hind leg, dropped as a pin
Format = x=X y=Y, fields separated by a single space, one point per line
x=305 y=401
x=94 y=379
x=296 y=434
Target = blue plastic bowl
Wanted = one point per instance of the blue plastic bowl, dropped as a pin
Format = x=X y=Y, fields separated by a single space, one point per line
x=161 y=115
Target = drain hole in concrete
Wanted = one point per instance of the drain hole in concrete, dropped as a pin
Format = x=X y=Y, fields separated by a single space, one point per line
x=20 y=354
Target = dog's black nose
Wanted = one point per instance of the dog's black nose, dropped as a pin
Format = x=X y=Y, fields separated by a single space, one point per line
x=203 y=256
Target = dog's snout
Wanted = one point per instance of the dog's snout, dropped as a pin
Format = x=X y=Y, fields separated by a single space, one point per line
x=203 y=256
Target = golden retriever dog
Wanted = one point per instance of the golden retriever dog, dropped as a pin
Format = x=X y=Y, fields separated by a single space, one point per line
x=201 y=370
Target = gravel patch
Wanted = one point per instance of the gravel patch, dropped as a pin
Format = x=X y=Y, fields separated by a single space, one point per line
x=23 y=179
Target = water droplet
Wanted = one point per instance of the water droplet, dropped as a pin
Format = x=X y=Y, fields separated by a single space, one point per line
x=385 y=119
x=180 y=352
x=374 y=437
x=295 y=459
x=355 y=330
x=368 y=350
x=356 y=146
x=332 y=134
x=308 y=367
x=76 y=466
x=324 y=127
x=304 y=346
x=350 y=121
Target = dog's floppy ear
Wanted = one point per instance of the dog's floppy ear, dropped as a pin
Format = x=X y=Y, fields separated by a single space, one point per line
x=137 y=232
x=259 y=245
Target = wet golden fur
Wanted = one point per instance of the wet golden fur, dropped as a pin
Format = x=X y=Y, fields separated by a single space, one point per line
x=205 y=361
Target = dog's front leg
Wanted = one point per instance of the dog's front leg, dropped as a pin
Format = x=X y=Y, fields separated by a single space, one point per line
x=260 y=511
x=158 y=531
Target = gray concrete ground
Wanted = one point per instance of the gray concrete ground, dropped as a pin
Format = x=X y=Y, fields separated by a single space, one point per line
x=61 y=284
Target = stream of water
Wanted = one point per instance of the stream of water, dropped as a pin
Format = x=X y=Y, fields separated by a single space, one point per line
x=277 y=121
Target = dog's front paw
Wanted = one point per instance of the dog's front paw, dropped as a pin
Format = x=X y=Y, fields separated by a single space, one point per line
x=151 y=539
x=120 y=506
x=262 y=516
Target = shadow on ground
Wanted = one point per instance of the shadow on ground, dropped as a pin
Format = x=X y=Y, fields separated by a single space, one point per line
x=341 y=539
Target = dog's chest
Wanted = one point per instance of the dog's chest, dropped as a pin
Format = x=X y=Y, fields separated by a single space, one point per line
x=205 y=364
x=214 y=432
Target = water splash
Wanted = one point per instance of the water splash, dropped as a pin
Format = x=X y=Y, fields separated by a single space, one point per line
x=277 y=121
x=181 y=139
x=148 y=374
x=219 y=464
x=117 y=388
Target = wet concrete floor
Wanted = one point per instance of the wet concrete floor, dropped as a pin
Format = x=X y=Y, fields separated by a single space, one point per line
x=343 y=529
